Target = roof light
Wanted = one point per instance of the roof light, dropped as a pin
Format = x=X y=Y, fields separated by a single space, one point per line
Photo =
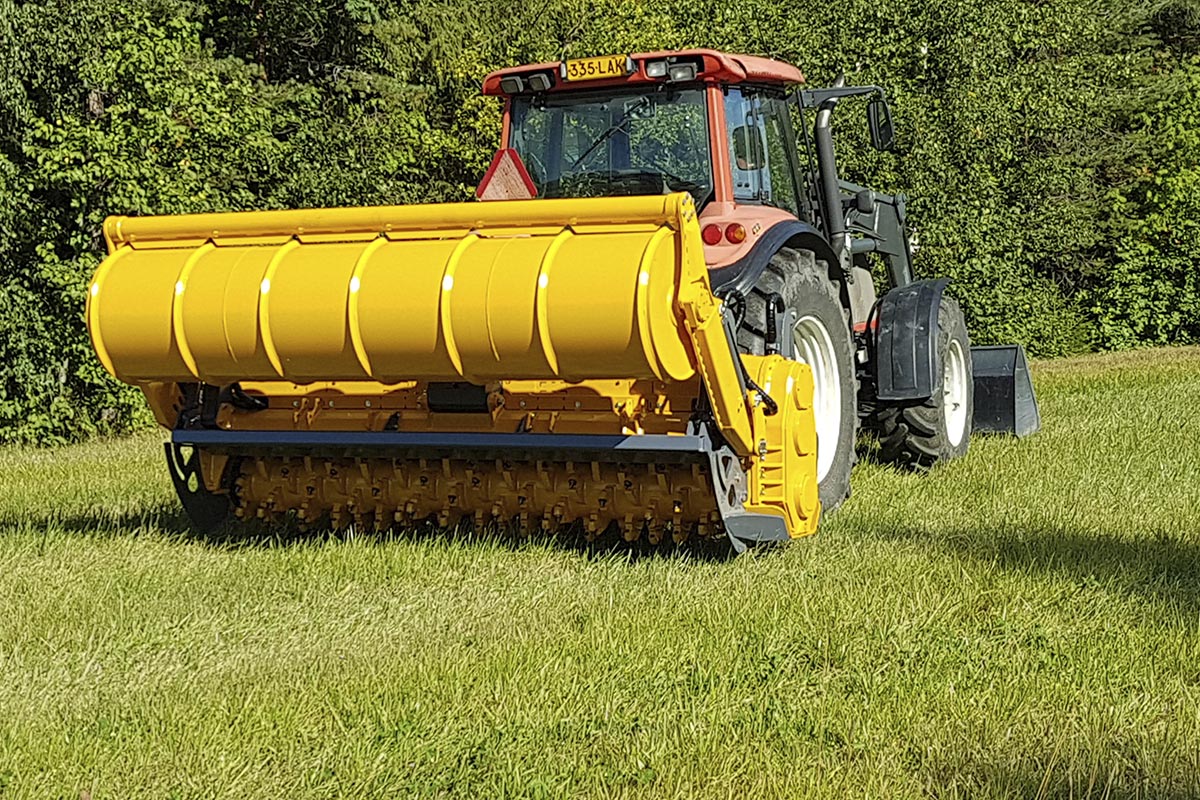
x=682 y=72
x=711 y=234
x=656 y=69
x=539 y=82
x=512 y=84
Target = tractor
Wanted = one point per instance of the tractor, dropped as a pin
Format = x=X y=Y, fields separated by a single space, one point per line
x=660 y=319
x=789 y=245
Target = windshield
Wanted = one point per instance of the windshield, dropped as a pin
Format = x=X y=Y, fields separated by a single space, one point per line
x=631 y=143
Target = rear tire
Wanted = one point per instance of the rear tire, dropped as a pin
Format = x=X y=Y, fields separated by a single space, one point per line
x=922 y=435
x=823 y=341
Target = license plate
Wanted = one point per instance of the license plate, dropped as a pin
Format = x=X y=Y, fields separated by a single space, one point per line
x=591 y=69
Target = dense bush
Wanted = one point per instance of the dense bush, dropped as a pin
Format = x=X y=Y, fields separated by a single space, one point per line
x=1050 y=149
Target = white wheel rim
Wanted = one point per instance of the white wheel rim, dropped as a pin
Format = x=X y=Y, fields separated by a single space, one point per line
x=954 y=393
x=814 y=347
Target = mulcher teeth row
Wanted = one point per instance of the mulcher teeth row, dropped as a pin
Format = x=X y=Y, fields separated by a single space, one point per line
x=654 y=500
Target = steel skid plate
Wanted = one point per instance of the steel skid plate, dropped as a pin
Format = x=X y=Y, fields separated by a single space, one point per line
x=207 y=510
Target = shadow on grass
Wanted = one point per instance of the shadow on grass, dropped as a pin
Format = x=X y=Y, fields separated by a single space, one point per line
x=1091 y=777
x=1157 y=563
x=171 y=520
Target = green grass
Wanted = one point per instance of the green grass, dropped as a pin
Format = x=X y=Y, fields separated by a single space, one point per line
x=1021 y=623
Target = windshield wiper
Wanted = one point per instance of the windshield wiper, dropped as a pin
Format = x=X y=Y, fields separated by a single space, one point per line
x=641 y=103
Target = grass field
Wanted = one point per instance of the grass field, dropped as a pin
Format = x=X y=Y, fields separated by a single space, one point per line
x=1023 y=623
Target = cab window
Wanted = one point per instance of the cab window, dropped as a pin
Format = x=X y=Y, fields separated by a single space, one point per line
x=649 y=141
x=761 y=150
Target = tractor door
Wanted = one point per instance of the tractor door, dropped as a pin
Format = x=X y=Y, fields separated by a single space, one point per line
x=761 y=148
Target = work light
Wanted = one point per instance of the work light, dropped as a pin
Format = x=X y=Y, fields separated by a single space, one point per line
x=682 y=72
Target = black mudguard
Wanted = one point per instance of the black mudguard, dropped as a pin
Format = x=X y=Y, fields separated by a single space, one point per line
x=905 y=353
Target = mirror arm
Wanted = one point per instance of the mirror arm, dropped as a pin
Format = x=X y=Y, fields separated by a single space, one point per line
x=815 y=98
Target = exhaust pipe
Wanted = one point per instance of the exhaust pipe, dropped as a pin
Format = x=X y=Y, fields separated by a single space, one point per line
x=831 y=199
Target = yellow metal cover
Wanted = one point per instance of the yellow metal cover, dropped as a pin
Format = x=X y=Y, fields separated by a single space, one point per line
x=541 y=289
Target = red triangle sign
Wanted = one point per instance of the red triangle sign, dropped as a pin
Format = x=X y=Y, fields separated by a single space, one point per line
x=506 y=179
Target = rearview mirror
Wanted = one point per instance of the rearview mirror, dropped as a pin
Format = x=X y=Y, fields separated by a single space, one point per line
x=748 y=148
x=879 y=120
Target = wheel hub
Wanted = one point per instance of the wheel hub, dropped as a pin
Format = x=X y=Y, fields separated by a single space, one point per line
x=954 y=393
x=814 y=347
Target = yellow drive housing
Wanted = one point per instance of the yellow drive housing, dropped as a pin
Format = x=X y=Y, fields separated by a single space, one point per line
x=543 y=361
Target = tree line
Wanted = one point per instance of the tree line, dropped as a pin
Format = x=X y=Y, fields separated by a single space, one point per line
x=1050 y=149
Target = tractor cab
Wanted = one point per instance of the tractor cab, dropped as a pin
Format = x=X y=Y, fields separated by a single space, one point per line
x=719 y=127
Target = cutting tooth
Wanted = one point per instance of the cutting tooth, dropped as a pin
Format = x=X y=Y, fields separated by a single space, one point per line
x=654 y=529
x=631 y=532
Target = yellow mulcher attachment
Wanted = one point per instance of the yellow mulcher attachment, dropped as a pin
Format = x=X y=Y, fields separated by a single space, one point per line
x=543 y=362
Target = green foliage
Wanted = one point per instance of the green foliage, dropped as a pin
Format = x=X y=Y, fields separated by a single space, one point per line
x=1049 y=150
x=1152 y=294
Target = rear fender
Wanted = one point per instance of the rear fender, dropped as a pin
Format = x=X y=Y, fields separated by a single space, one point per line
x=905 y=342
x=743 y=274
